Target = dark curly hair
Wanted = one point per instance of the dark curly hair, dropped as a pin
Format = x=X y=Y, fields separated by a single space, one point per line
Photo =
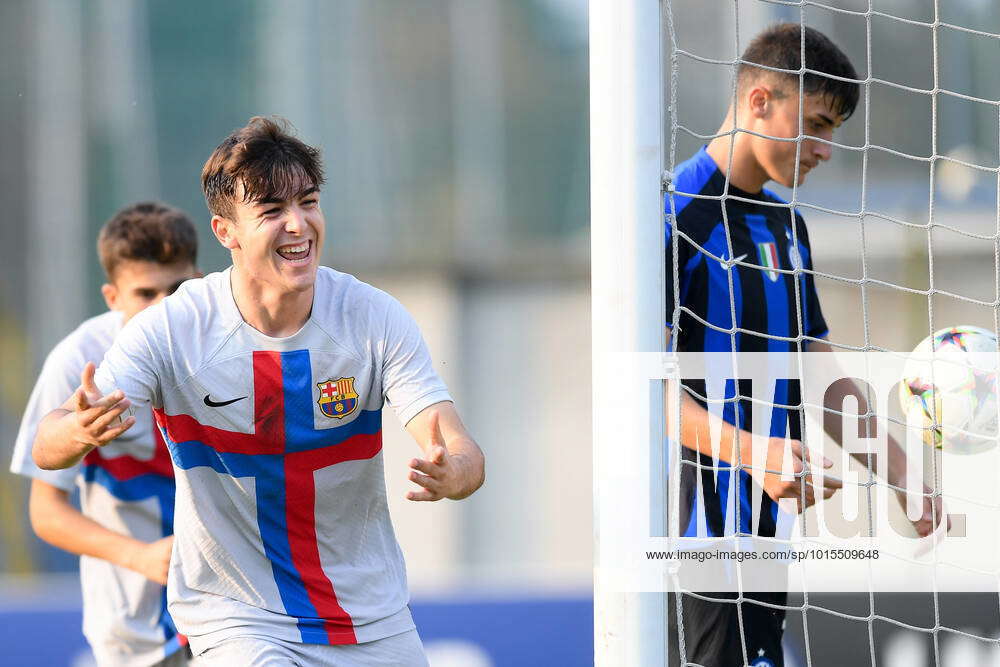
x=150 y=232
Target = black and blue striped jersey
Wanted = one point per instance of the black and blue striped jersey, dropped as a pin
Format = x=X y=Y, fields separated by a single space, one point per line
x=753 y=306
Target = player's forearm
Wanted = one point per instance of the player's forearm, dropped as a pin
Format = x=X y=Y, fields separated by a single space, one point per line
x=471 y=462
x=897 y=466
x=833 y=423
x=60 y=524
x=55 y=446
x=696 y=433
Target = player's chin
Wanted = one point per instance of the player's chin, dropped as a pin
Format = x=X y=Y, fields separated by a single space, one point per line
x=785 y=178
x=296 y=277
x=300 y=281
x=803 y=172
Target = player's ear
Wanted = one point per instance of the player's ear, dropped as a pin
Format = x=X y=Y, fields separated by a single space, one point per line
x=223 y=230
x=759 y=101
x=110 y=294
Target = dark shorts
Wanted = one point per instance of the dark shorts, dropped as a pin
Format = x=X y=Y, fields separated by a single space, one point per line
x=712 y=630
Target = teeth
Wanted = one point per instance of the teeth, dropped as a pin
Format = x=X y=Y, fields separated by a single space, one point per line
x=294 y=249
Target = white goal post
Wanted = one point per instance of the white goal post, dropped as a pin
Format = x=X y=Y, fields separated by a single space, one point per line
x=627 y=251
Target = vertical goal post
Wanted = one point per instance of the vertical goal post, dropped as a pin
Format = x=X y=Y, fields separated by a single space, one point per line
x=627 y=274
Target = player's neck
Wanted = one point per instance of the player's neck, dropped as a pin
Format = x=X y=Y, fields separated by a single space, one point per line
x=269 y=310
x=746 y=173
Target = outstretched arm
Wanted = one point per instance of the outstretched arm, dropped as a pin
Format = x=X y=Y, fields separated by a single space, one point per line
x=60 y=524
x=86 y=420
x=896 y=467
x=697 y=424
x=453 y=465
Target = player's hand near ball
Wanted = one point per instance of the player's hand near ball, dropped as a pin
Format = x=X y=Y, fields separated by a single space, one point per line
x=453 y=465
x=933 y=513
x=86 y=420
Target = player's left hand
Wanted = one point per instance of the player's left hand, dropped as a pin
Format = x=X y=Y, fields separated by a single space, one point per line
x=440 y=473
x=933 y=515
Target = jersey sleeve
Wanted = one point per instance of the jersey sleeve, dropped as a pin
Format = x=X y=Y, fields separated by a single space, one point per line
x=409 y=381
x=59 y=378
x=132 y=363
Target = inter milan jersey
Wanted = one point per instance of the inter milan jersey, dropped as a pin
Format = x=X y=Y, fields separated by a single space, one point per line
x=759 y=312
x=282 y=526
x=126 y=486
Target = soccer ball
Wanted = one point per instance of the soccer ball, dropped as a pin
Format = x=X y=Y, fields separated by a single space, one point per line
x=949 y=389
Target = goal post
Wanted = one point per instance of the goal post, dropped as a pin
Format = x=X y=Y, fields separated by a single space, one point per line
x=627 y=265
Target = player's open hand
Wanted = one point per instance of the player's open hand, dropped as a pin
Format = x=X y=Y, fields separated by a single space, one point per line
x=802 y=487
x=97 y=417
x=439 y=473
x=152 y=560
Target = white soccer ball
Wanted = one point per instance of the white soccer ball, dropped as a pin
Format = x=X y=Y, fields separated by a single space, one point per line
x=949 y=389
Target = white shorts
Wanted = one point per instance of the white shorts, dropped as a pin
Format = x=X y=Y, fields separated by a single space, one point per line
x=404 y=650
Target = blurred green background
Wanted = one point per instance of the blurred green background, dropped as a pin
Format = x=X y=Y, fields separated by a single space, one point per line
x=455 y=139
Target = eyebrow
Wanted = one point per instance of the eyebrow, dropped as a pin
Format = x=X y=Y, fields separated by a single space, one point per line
x=276 y=200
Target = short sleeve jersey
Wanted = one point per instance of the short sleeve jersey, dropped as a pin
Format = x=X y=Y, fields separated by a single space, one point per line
x=282 y=526
x=126 y=486
x=771 y=305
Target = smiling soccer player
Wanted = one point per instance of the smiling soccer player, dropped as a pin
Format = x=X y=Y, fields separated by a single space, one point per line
x=284 y=548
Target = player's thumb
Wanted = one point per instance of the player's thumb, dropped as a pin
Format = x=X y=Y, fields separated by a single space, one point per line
x=815 y=457
x=438 y=454
x=87 y=378
x=81 y=399
x=434 y=428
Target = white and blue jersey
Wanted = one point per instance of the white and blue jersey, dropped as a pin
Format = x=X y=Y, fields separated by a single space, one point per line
x=282 y=526
x=126 y=486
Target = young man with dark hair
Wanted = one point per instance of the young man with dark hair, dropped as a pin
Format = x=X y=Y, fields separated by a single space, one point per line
x=268 y=381
x=746 y=285
x=123 y=530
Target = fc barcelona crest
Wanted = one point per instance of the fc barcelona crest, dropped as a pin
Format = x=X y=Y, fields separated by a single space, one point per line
x=337 y=398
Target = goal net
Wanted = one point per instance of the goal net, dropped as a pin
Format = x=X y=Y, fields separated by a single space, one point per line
x=904 y=225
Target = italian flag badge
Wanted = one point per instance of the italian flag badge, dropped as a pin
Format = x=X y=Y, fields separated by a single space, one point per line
x=767 y=253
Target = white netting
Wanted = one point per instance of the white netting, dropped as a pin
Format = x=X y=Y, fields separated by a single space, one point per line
x=953 y=213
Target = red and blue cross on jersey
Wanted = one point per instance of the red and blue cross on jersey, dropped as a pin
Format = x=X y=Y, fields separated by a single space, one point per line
x=282 y=455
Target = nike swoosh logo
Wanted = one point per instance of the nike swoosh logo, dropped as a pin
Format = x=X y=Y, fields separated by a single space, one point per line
x=212 y=404
x=724 y=262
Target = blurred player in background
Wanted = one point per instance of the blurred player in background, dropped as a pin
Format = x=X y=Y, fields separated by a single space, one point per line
x=750 y=238
x=123 y=531
x=268 y=381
